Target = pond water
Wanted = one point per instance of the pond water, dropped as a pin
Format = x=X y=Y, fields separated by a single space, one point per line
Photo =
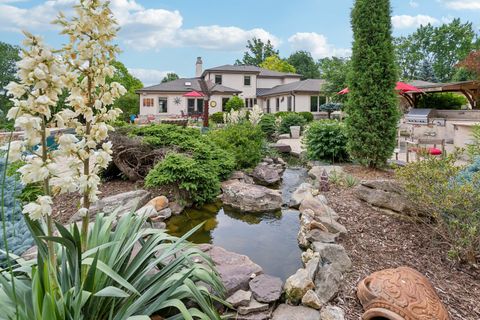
x=269 y=239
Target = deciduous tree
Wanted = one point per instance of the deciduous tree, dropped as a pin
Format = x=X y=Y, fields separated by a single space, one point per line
x=275 y=63
x=170 y=77
x=334 y=70
x=257 y=52
x=304 y=64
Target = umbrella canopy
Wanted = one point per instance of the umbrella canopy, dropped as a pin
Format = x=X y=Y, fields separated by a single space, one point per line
x=401 y=86
x=193 y=94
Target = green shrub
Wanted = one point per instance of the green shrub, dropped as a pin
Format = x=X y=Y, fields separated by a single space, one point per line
x=283 y=114
x=198 y=183
x=326 y=140
x=191 y=141
x=268 y=125
x=449 y=197
x=473 y=147
x=289 y=120
x=217 y=117
x=442 y=101
x=308 y=116
x=243 y=140
x=330 y=107
x=234 y=103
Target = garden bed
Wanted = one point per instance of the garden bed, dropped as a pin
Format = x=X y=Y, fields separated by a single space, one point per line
x=377 y=240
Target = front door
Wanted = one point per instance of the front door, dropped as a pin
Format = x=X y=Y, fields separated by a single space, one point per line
x=200 y=106
x=191 y=106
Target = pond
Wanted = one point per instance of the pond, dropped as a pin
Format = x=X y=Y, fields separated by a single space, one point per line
x=269 y=239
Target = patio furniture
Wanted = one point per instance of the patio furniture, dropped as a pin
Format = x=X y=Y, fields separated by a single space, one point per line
x=421 y=146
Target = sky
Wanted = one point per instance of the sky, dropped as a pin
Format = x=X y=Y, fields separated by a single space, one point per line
x=160 y=36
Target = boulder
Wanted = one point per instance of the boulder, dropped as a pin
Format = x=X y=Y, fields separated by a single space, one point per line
x=333 y=254
x=284 y=136
x=147 y=210
x=163 y=214
x=287 y=312
x=318 y=205
x=234 y=269
x=266 y=288
x=317 y=235
x=176 y=207
x=309 y=255
x=281 y=147
x=332 y=225
x=332 y=313
x=240 y=298
x=250 y=198
x=159 y=203
x=299 y=195
x=317 y=171
x=385 y=194
x=122 y=203
x=297 y=285
x=310 y=299
x=263 y=315
x=253 y=306
x=266 y=175
x=327 y=282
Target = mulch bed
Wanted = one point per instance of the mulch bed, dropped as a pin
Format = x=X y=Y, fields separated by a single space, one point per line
x=66 y=205
x=378 y=240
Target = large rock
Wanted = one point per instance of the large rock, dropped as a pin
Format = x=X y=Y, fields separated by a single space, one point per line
x=297 y=285
x=318 y=205
x=317 y=171
x=250 y=198
x=266 y=175
x=159 y=203
x=327 y=283
x=253 y=307
x=317 y=235
x=332 y=313
x=235 y=269
x=266 y=288
x=386 y=194
x=299 y=194
x=281 y=147
x=287 y=312
x=125 y=203
x=333 y=254
x=310 y=299
x=240 y=298
x=176 y=207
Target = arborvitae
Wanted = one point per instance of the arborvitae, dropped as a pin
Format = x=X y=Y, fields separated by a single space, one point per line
x=372 y=112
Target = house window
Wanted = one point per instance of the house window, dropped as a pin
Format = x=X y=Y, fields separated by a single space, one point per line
x=254 y=101
x=277 y=105
x=162 y=105
x=224 y=103
x=191 y=106
x=148 y=102
x=247 y=80
x=200 y=105
x=218 y=79
x=289 y=103
x=268 y=105
x=316 y=102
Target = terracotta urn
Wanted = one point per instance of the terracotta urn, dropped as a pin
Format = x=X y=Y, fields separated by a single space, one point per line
x=400 y=294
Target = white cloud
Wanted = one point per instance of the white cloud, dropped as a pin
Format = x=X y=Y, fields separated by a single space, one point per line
x=141 y=28
x=414 y=4
x=463 y=4
x=148 y=76
x=406 y=21
x=317 y=44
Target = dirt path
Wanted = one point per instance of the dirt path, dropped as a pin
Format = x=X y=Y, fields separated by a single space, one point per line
x=377 y=240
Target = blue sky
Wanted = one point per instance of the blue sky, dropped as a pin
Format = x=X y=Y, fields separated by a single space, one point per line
x=161 y=36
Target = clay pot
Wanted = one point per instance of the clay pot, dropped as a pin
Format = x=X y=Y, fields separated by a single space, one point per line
x=400 y=294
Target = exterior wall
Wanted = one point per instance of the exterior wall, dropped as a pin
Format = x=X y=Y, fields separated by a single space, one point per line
x=174 y=109
x=273 y=82
x=300 y=103
x=235 y=81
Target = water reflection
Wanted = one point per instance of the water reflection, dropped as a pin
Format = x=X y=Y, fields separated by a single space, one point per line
x=270 y=239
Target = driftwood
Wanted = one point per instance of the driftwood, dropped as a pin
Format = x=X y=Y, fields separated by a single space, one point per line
x=133 y=157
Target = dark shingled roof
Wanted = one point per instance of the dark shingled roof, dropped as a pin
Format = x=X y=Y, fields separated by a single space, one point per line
x=309 y=85
x=251 y=69
x=180 y=85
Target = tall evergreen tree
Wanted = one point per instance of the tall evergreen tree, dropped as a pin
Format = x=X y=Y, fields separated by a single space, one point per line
x=372 y=105
x=257 y=52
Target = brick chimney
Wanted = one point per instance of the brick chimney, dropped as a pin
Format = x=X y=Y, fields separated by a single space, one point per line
x=199 y=67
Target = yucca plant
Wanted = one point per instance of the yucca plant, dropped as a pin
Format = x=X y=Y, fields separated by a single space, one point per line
x=131 y=271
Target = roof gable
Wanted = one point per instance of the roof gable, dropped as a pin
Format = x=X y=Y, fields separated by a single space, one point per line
x=186 y=85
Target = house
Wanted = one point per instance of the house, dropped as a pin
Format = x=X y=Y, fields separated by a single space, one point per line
x=273 y=91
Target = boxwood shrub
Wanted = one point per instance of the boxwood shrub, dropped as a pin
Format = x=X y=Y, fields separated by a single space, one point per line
x=326 y=140
x=268 y=125
x=292 y=119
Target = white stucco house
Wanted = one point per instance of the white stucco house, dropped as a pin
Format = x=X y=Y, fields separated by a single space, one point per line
x=273 y=91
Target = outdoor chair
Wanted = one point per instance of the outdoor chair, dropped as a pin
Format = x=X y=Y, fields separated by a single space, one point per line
x=425 y=146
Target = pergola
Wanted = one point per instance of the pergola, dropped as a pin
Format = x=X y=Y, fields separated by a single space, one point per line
x=470 y=89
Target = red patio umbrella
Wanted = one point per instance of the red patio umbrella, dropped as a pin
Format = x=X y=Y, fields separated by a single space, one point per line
x=193 y=94
x=401 y=86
